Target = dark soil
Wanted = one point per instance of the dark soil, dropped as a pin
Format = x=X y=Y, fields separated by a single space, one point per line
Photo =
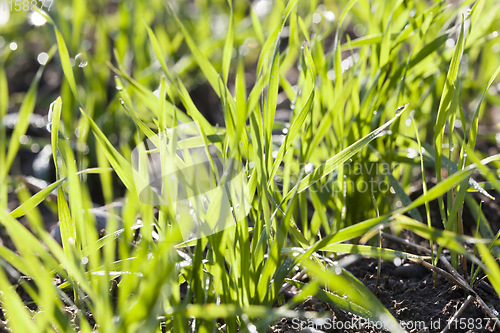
x=408 y=292
x=413 y=300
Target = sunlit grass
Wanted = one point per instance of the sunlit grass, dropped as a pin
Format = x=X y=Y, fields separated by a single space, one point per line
x=392 y=88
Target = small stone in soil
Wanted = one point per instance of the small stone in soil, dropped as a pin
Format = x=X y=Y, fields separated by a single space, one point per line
x=408 y=271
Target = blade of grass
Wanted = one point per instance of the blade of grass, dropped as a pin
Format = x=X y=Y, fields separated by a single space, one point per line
x=444 y=106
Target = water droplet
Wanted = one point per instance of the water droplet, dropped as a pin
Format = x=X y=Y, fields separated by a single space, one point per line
x=4 y=15
x=397 y=261
x=316 y=18
x=24 y=139
x=13 y=46
x=252 y=328
x=329 y=15
x=331 y=74
x=79 y=132
x=262 y=7
x=309 y=168
x=81 y=59
x=359 y=30
x=37 y=19
x=42 y=58
x=35 y=148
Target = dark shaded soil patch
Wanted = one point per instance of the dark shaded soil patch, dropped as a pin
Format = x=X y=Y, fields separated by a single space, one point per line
x=412 y=300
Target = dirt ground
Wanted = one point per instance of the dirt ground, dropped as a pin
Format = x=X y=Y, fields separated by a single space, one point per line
x=408 y=292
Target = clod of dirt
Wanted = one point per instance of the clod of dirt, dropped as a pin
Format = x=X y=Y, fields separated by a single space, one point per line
x=409 y=271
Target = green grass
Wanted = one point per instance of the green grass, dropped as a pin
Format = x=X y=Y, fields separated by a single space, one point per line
x=393 y=88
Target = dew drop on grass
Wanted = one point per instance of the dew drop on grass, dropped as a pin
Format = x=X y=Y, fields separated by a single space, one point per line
x=262 y=7
x=309 y=168
x=4 y=16
x=329 y=15
x=86 y=45
x=321 y=8
x=79 y=132
x=252 y=328
x=42 y=58
x=359 y=30
x=331 y=74
x=338 y=270
x=397 y=261
x=13 y=46
x=37 y=19
x=80 y=58
x=24 y=139
x=316 y=18
x=85 y=261
x=243 y=50
x=35 y=148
